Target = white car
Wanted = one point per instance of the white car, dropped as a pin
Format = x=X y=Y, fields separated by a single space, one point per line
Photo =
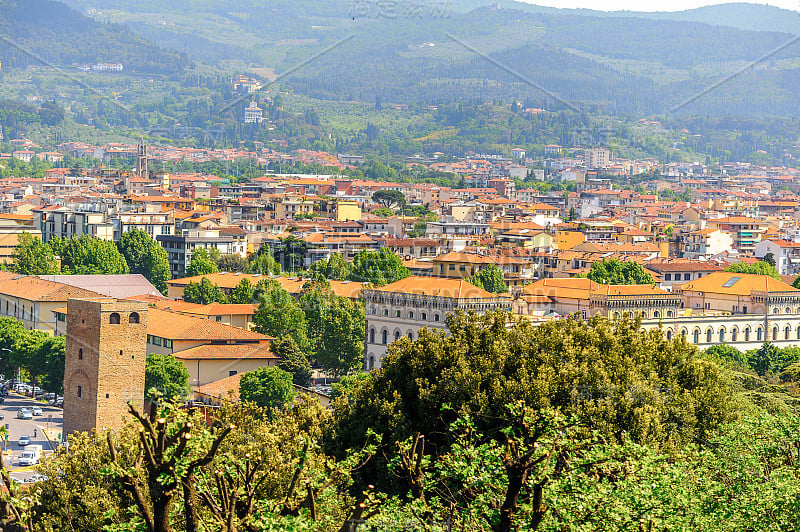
x=24 y=414
x=24 y=440
x=37 y=411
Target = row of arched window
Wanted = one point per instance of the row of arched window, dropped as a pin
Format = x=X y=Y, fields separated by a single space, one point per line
x=709 y=335
x=115 y=318
x=423 y=315
x=384 y=335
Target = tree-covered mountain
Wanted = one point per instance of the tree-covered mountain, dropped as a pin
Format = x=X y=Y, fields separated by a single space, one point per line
x=37 y=32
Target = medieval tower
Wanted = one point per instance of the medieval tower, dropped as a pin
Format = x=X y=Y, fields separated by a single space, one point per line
x=105 y=359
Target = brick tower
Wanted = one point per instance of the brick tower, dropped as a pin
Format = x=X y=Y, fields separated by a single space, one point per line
x=105 y=359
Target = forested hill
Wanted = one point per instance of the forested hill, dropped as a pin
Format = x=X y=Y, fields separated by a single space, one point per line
x=37 y=31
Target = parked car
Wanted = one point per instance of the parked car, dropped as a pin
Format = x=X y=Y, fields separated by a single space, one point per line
x=24 y=413
x=37 y=411
x=49 y=397
x=60 y=402
x=24 y=440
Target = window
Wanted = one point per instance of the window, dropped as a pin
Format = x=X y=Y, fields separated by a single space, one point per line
x=732 y=281
x=218 y=318
x=669 y=313
x=424 y=315
x=385 y=337
x=156 y=340
x=687 y=276
x=386 y=312
x=696 y=336
x=61 y=317
x=133 y=318
x=167 y=343
x=775 y=333
x=786 y=332
x=669 y=335
x=371 y=361
x=667 y=276
x=232 y=372
x=747 y=334
x=758 y=334
x=776 y=310
x=396 y=335
x=80 y=354
x=734 y=333
x=410 y=335
x=435 y=317
x=708 y=335
x=372 y=336
x=722 y=334
x=114 y=318
x=656 y=314
x=788 y=310
x=396 y=313
x=79 y=391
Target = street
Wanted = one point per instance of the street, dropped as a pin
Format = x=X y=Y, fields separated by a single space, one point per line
x=19 y=427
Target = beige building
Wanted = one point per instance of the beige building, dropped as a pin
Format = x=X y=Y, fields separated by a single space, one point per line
x=33 y=301
x=209 y=363
x=404 y=307
x=740 y=293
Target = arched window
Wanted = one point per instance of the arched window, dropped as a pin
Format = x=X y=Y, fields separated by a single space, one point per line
x=747 y=334
x=396 y=313
x=722 y=334
x=114 y=318
x=384 y=337
x=396 y=335
x=684 y=332
x=133 y=318
x=696 y=336
x=371 y=361
x=758 y=334
x=372 y=336
x=669 y=335
x=776 y=310
x=410 y=335
x=411 y=315
x=798 y=332
x=80 y=353
x=644 y=315
x=775 y=333
x=786 y=332
x=709 y=332
x=734 y=334
x=435 y=317
x=424 y=316
x=656 y=314
x=616 y=315
x=669 y=313
x=386 y=312
x=788 y=310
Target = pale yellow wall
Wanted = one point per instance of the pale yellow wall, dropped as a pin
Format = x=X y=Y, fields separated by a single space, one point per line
x=214 y=370
x=348 y=212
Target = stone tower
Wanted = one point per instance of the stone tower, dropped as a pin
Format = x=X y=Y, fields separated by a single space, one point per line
x=106 y=351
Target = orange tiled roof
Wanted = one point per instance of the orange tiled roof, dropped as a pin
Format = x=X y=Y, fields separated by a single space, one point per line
x=176 y=326
x=438 y=287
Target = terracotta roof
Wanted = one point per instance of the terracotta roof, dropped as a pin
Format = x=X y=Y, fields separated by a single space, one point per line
x=227 y=352
x=176 y=326
x=746 y=283
x=35 y=289
x=223 y=388
x=438 y=287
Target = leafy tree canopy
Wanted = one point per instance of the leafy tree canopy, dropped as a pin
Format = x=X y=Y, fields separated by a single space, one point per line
x=335 y=268
x=757 y=268
x=203 y=262
x=389 y=198
x=243 y=293
x=31 y=256
x=267 y=387
x=145 y=256
x=379 y=267
x=204 y=293
x=279 y=315
x=490 y=279
x=86 y=255
x=167 y=376
x=293 y=361
x=615 y=271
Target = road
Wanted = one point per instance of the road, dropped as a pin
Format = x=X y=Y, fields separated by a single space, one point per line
x=18 y=427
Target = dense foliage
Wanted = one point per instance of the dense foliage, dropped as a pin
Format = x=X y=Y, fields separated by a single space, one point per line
x=165 y=376
x=204 y=293
x=757 y=268
x=490 y=279
x=615 y=271
x=379 y=267
x=145 y=256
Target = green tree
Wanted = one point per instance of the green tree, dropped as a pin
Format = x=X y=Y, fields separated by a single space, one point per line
x=145 y=256
x=232 y=263
x=86 y=255
x=379 y=267
x=614 y=380
x=384 y=212
x=31 y=256
x=757 y=268
x=167 y=376
x=796 y=282
x=764 y=358
x=341 y=344
x=615 y=271
x=728 y=353
x=279 y=315
x=267 y=387
x=334 y=268
x=202 y=263
x=243 y=293
x=293 y=361
x=490 y=279
x=264 y=262
x=769 y=258
x=389 y=198
x=204 y=293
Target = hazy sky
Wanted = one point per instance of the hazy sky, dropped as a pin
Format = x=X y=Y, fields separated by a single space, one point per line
x=653 y=5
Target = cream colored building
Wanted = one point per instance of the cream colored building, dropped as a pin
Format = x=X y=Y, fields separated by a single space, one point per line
x=404 y=307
